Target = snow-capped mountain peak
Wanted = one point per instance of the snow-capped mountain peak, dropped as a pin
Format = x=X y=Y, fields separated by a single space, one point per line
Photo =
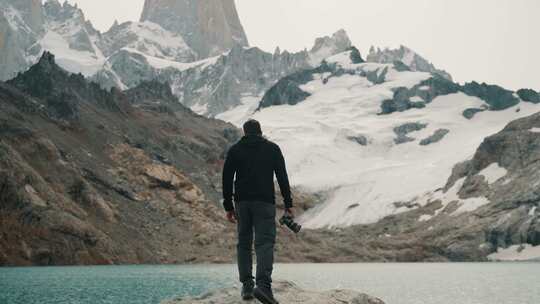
x=329 y=45
x=407 y=56
x=71 y=38
x=209 y=27
x=148 y=38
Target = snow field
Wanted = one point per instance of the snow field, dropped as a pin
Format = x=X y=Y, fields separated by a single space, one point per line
x=320 y=158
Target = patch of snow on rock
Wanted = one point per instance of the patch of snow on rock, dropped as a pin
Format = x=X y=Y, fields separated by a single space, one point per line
x=425 y=217
x=465 y=205
x=75 y=61
x=160 y=63
x=524 y=252
x=240 y=114
x=493 y=173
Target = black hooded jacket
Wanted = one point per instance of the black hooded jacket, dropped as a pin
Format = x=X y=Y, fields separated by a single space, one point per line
x=254 y=160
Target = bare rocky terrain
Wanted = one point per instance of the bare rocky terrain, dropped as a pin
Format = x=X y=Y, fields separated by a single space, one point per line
x=286 y=292
x=89 y=176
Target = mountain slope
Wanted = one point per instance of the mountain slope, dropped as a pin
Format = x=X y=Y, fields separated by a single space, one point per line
x=148 y=38
x=369 y=162
x=89 y=176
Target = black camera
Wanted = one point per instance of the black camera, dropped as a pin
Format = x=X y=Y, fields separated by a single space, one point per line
x=290 y=223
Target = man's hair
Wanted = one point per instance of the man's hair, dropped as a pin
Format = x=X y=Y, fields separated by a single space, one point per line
x=252 y=127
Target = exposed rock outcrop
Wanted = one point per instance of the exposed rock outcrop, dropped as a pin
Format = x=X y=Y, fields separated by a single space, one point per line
x=427 y=90
x=356 y=57
x=287 y=90
x=514 y=197
x=210 y=27
x=497 y=97
x=359 y=139
x=327 y=46
x=285 y=292
x=437 y=136
x=402 y=131
x=470 y=112
x=529 y=95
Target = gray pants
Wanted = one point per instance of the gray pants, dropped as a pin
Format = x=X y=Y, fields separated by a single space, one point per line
x=258 y=217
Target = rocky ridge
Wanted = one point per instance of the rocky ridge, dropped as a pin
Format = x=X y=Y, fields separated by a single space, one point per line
x=216 y=85
x=288 y=89
x=406 y=56
x=96 y=177
x=327 y=46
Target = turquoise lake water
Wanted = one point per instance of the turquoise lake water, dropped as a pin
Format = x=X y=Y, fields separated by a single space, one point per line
x=462 y=283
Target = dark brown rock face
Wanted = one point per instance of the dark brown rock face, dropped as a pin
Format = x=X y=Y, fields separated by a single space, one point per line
x=95 y=177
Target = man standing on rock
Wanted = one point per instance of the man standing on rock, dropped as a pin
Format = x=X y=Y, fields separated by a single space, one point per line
x=254 y=160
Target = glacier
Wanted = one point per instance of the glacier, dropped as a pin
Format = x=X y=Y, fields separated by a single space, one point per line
x=362 y=184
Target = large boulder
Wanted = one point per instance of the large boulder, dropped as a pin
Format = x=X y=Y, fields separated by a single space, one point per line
x=285 y=292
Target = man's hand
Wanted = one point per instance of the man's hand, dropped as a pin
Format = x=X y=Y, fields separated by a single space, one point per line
x=231 y=217
x=289 y=212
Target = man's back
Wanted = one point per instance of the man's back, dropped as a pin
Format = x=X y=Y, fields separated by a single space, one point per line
x=254 y=160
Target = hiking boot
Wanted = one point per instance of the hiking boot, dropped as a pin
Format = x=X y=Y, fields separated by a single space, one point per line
x=264 y=295
x=247 y=291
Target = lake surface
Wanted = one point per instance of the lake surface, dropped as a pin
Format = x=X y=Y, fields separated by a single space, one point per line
x=462 y=283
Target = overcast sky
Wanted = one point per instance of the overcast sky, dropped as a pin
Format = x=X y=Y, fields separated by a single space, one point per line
x=496 y=41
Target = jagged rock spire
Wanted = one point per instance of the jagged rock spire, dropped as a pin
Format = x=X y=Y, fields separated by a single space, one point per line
x=210 y=27
x=329 y=45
